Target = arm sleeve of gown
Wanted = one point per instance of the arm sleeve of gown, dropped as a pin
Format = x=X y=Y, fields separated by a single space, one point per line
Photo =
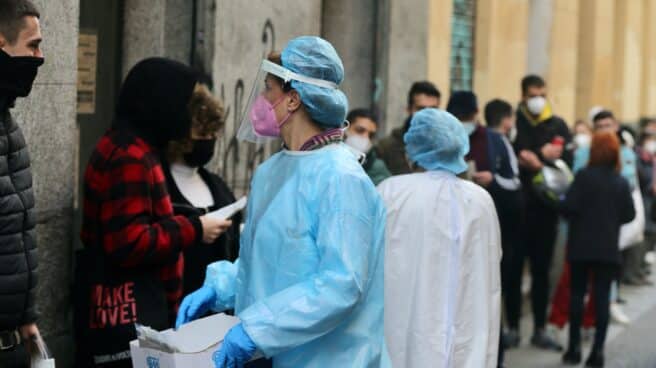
x=496 y=236
x=345 y=237
x=222 y=277
x=494 y=286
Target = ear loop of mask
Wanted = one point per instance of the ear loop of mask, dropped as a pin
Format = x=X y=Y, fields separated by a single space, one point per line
x=345 y=125
x=289 y=114
x=362 y=157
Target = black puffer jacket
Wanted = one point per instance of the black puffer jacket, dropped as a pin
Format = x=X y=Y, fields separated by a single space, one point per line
x=17 y=221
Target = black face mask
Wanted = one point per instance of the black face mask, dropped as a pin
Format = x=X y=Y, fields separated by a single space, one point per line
x=17 y=74
x=201 y=153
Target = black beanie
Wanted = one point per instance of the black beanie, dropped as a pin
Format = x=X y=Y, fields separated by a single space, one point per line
x=154 y=100
x=462 y=103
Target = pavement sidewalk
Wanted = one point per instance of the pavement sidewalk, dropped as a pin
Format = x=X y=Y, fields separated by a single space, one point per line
x=633 y=345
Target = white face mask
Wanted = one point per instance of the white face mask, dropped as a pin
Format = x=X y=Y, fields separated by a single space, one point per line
x=469 y=127
x=650 y=146
x=359 y=143
x=536 y=104
x=582 y=140
x=512 y=134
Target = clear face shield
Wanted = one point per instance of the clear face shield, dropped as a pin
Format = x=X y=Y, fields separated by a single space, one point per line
x=259 y=122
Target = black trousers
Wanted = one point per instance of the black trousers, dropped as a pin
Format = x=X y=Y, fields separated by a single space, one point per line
x=510 y=220
x=511 y=264
x=15 y=358
x=602 y=276
x=538 y=238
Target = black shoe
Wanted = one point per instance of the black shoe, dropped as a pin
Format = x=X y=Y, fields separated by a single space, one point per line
x=543 y=341
x=511 y=339
x=642 y=281
x=572 y=357
x=620 y=300
x=596 y=359
x=636 y=281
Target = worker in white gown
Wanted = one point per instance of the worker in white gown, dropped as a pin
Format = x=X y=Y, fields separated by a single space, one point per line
x=442 y=256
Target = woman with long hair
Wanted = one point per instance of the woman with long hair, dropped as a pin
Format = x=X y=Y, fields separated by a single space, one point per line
x=597 y=204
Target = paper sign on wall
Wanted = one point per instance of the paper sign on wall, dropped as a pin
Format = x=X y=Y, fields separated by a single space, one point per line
x=87 y=53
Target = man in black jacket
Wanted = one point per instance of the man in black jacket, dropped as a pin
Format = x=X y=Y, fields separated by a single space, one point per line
x=542 y=138
x=20 y=57
x=391 y=149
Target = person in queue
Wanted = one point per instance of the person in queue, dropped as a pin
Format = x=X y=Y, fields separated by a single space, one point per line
x=363 y=126
x=128 y=225
x=597 y=204
x=195 y=191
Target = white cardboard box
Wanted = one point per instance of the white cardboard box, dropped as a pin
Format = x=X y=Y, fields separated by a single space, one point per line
x=197 y=342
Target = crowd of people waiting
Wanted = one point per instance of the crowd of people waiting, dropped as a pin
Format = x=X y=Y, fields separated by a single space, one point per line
x=533 y=170
x=352 y=252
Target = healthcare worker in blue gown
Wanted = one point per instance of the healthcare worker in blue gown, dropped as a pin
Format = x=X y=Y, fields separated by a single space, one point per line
x=308 y=285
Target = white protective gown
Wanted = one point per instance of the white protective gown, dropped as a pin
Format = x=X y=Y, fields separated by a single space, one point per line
x=442 y=272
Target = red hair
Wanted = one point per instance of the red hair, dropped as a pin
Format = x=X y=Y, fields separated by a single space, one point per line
x=605 y=151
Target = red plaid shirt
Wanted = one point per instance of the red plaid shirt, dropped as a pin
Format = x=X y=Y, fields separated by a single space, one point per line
x=127 y=209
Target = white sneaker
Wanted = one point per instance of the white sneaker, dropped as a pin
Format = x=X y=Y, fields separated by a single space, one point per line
x=618 y=315
x=650 y=257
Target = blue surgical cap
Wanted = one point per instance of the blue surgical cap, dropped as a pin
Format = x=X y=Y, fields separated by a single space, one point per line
x=315 y=57
x=436 y=140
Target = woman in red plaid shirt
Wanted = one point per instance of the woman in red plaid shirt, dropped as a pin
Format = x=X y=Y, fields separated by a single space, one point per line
x=128 y=215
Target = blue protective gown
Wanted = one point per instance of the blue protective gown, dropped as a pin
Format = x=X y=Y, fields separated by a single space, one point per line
x=309 y=281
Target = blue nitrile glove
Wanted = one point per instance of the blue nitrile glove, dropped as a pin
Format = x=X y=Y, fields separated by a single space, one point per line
x=195 y=305
x=236 y=350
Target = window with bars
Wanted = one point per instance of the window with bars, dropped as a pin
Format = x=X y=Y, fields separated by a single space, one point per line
x=462 y=45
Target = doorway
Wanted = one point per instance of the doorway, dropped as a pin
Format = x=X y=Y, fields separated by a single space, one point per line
x=99 y=78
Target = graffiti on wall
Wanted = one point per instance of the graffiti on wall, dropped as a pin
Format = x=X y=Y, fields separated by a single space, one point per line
x=238 y=160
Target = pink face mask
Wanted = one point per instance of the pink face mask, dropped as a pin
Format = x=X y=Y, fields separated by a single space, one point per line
x=263 y=117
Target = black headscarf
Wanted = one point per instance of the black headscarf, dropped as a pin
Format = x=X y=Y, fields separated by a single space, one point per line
x=154 y=100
